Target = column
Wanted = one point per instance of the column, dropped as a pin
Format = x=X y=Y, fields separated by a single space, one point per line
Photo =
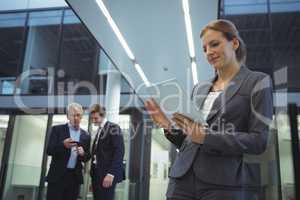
x=113 y=95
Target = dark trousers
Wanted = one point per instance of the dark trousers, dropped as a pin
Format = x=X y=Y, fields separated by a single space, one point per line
x=189 y=187
x=65 y=189
x=101 y=193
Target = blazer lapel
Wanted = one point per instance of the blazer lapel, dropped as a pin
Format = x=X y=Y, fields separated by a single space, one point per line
x=103 y=134
x=200 y=92
x=67 y=135
x=228 y=92
x=67 y=131
x=82 y=136
x=104 y=131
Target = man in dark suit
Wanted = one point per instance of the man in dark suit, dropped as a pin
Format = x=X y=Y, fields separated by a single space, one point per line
x=107 y=155
x=69 y=147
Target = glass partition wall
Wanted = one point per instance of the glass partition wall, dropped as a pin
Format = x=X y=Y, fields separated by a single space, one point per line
x=29 y=134
x=46 y=52
x=3 y=131
x=270 y=29
x=25 y=157
x=12 y=33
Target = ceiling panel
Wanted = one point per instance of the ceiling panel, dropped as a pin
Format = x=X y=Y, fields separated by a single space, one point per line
x=155 y=32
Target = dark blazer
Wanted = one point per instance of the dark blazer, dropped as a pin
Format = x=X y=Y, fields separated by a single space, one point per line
x=238 y=125
x=109 y=153
x=60 y=154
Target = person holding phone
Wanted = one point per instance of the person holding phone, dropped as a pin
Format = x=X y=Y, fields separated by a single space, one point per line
x=69 y=148
x=237 y=107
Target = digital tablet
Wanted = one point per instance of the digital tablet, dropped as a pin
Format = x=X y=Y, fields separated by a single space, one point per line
x=172 y=98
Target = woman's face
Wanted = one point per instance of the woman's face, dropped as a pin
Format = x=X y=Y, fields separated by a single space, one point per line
x=218 y=50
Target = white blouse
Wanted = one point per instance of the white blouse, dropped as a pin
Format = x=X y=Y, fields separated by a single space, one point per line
x=208 y=103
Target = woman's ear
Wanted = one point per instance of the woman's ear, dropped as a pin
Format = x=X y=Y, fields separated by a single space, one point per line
x=236 y=43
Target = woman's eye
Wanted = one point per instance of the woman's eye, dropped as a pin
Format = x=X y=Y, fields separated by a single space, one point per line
x=215 y=44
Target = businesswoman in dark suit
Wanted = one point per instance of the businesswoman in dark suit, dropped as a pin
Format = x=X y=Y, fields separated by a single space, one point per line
x=237 y=108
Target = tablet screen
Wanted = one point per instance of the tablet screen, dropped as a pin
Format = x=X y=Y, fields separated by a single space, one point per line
x=172 y=98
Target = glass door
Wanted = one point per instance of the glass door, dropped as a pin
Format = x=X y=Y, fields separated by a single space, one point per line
x=25 y=157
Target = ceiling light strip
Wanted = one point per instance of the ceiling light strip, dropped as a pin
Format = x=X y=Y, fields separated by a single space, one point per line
x=188 y=27
x=194 y=72
x=122 y=41
x=189 y=33
x=142 y=75
x=115 y=29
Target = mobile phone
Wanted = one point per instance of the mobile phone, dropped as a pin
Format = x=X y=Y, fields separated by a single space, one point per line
x=76 y=142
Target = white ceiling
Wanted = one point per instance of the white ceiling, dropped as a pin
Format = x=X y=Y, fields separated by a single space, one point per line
x=155 y=32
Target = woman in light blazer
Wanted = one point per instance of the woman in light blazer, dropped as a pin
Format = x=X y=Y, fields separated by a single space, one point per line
x=237 y=107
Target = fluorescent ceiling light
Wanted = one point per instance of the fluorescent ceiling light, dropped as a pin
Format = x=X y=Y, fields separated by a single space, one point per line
x=103 y=8
x=115 y=29
x=122 y=41
x=194 y=72
x=189 y=33
x=188 y=27
x=141 y=73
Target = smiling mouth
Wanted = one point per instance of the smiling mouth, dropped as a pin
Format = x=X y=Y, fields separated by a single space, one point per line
x=214 y=60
